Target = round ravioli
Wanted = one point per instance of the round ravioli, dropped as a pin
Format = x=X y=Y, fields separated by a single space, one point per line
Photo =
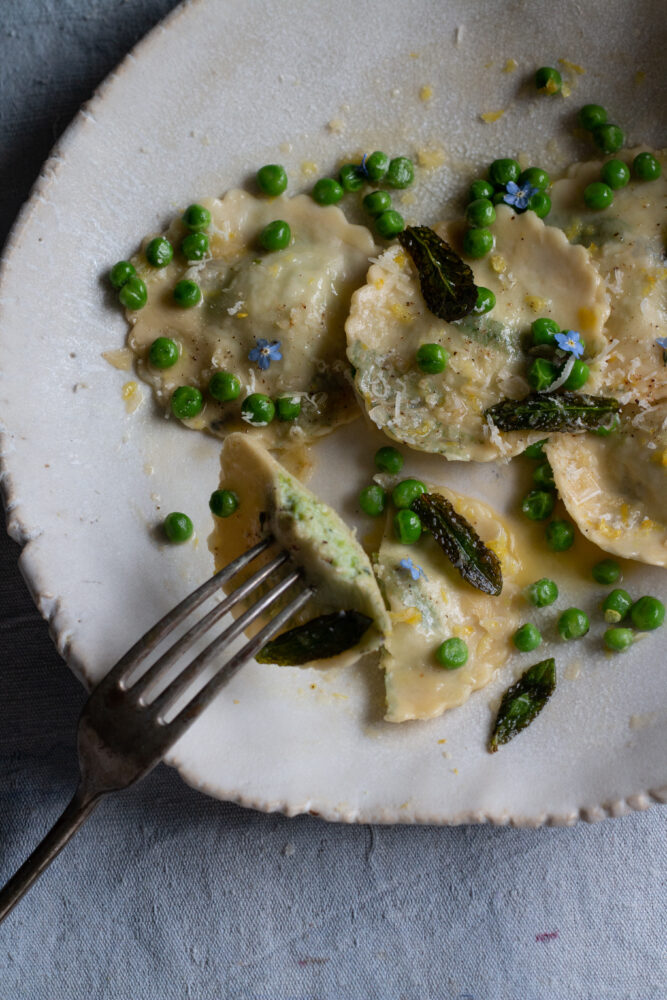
x=533 y=271
x=275 y=320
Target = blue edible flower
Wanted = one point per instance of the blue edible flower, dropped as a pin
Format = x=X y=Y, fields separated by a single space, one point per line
x=662 y=342
x=570 y=341
x=415 y=571
x=519 y=196
x=264 y=353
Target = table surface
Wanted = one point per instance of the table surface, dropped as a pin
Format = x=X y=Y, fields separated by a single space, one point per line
x=168 y=894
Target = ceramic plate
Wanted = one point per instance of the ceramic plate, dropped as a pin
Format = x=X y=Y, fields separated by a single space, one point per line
x=212 y=93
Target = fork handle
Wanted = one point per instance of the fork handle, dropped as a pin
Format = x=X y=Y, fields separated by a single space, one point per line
x=63 y=829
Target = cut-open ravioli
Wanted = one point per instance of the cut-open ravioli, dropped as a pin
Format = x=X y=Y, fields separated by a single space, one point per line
x=298 y=297
x=533 y=271
x=430 y=602
x=272 y=501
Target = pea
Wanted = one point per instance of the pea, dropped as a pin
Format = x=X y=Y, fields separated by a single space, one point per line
x=477 y=242
x=536 y=177
x=560 y=535
x=608 y=138
x=541 y=374
x=377 y=202
x=350 y=177
x=598 y=196
x=400 y=172
x=407 y=527
x=544 y=331
x=195 y=246
x=486 y=300
x=372 y=500
x=606 y=571
x=389 y=224
x=480 y=213
x=615 y=173
x=538 y=505
x=187 y=294
x=592 y=115
x=257 y=409
x=196 y=218
x=501 y=172
x=163 y=352
x=272 y=179
x=480 y=189
x=276 y=236
x=121 y=273
x=535 y=451
x=645 y=167
x=527 y=638
x=223 y=503
x=159 y=252
x=133 y=294
x=543 y=476
x=432 y=358
x=389 y=459
x=177 y=527
x=288 y=407
x=647 y=613
x=618 y=639
x=499 y=197
x=573 y=624
x=548 y=80
x=540 y=204
x=406 y=491
x=327 y=191
x=542 y=593
x=610 y=426
x=452 y=653
x=578 y=376
x=224 y=386
x=616 y=606
x=186 y=402
x=376 y=165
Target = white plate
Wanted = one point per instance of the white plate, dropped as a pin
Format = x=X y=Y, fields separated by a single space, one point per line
x=211 y=94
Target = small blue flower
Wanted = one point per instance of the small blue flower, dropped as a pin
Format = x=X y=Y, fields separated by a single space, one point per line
x=264 y=353
x=415 y=571
x=662 y=342
x=362 y=167
x=519 y=196
x=570 y=341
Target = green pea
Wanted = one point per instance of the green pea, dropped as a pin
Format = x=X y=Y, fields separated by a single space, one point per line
x=288 y=407
x=540 y=204
x=535 y=451
x=377 y=202
x=196 y=218
x=177 y=527
x=389 y=459
x=223 y=503
x=615 y=173
x=592 y=115
x=480 y=213
x=647 y=613
x=159 y=252
x=257 y=409
x=560 y=535
x=224 y=386
x=606 y=571
x=527 y=638
x=373 y=499
x=486 y=300
x=542 y=593
x=536 y=177
x=608 y=138
x=432 y=358
x=480 y=189
x=407 y=527
x=327 y=191
x=501 y=172
x=541 y=374
x=406 y=491
x=389 y=224
x=186 y=402
x=376 y=165
x=133 y=294
x=163 y=352
x=544 y=331
x=276 y=236
x=578 y=376
x=645 y=167
x=477 y=242
x=272 y=179
x=187 y=294
x=452 y=653
x=538 y=505
x=543 y=476
x=618 y=639
x=121 y=273
x=616 y=606
x=350 y=177
x=598 y=196
x=573 y=624
x=499 y=197
x=548 y=80
x=195 y=246
x=400 y=172
x=610 y=426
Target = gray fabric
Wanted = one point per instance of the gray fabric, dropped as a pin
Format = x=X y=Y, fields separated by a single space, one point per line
x=166 y=894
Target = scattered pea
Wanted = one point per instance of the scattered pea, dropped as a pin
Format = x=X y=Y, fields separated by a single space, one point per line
x=486 y=300
x=376 y=165
x=272 y=179
x=177 y=527
x=560 y=535
x=543 y=476
x=327 y=191
x=159 y=252
x=618 y=639
x=480 y=213
x=452 y=653
x=187 y=294
x=195 y=246
x=350 y=177
x=541 y=374
x=389 y=459
x=502 y=171
x=277 y=235
x=608 y=138
x=224 y=386
x=647 y=613
x=196 y=218
x=610 y=426
x=389 y=224
x=406 y=491
x=400 y=172
x=257 y=409
x=542 y=593
x=480 y=189
x=432 y=358
x=377 y=202
x=598 y=196
x=527 y=638
x=498 y=197
x=373 y=499
x=606 y=571
x=616 y=606
x=592 y=115
x=615 y=173
x=645 y=167
x=548 y=80
x=573 y=624
x=477 y=242
x=538 y=505
x=223 y=503
x=288 y=407
x=536 y=177
x=578 y=376
x=540 y=204
x=186 y=402
x=121 y=273
x=133 y=294
x=535 y=451
x=544 y=331
x=163 y=352
x=407 y=527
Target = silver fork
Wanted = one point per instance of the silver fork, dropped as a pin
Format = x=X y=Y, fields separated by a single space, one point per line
x=124 y=732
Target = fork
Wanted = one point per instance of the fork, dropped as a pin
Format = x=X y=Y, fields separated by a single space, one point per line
x=127 y=724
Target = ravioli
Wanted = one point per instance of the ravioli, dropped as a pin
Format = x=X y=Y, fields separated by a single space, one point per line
x=440 y=604
x=299 y=296
x=272 y=501
x=533 y=271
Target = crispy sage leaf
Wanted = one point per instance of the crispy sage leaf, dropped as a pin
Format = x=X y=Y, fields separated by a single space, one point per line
x=522 y=702
x=318 y=639
x=563 y=411
x=460 y=542
x=446 y=281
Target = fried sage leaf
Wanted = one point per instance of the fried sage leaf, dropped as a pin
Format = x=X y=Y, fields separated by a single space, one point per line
x=522 y=702
x=460 y=542
x=563 y=411
x=318 y=639
x=446 y=281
